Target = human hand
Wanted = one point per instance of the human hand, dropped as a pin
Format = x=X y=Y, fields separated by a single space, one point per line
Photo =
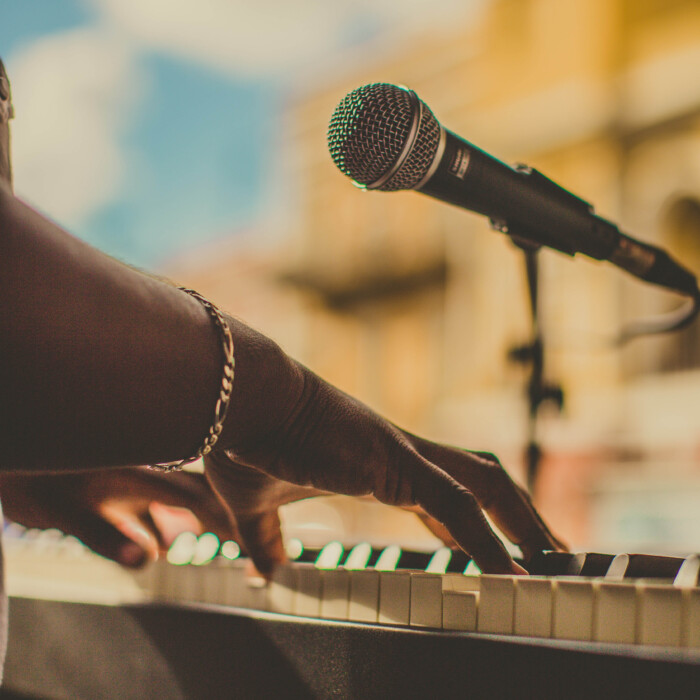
x=290 y=435
x=113 y=511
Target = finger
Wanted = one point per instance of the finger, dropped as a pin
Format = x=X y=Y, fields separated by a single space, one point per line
x=458 y=510
x=506 y=502
x=262 y=539
x=147 y=522
x=258 y=522
x=188 y=490
x=110 y=541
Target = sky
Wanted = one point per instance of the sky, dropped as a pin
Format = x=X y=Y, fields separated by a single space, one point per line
x=147 y=127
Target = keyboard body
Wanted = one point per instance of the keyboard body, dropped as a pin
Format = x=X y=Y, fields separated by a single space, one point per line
x=81 y=627
x=77 y=651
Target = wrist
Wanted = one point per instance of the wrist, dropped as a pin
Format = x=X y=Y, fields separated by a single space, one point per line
x=267 y=387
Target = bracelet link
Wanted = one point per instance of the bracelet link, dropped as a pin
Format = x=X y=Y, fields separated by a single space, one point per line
x=224 y=398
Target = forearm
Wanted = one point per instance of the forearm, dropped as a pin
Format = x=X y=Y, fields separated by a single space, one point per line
x=100 y=365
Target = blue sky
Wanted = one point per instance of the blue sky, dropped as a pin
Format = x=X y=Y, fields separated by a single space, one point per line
x=147 y=127
x=198 y=141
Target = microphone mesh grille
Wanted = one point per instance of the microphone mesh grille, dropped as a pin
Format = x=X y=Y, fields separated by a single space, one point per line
x=369 y=130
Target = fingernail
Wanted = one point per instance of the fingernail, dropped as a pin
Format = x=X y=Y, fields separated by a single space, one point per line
x=131 y=554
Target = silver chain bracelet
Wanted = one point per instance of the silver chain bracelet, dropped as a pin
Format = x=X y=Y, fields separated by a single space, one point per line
x=222 y=402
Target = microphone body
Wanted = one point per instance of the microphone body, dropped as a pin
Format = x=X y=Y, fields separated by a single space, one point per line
x=386 y=138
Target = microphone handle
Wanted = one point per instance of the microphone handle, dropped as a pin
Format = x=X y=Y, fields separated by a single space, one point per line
x=524 y=203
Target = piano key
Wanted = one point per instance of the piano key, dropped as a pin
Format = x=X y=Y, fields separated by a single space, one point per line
x=307 y=594
x=414 y=561
x=472 y=569
x=439 y=561
x=496 y=603
x=688 y=575
x=394 y=597
x=149 y=577
x=363 y=605
x=691 y=619
x=389 y=558
x=427 y=591
x=459 y=562
x=426 y=600
x=212 y=577
x=643 y=566
x=533 y=607
x=555 y=564
x=572 y=612
x=359 y=556
x=335 y=594
x=282 y=589
x=595 y=564
x=459 y=610
x=660 y=614
x=330 y=556
x=616 y=613
x=256 y=593
x=230 y=550
x=234 y=588
x=205 y=549
x=182 y=548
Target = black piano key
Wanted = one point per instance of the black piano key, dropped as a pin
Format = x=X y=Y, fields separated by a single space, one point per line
x=595 y=564
x=414 y=560
x=458 y=562
x=553 y=564
x=652 y=566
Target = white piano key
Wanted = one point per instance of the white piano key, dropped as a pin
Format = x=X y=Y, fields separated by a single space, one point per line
x=230 y=550
x=688 y=575
x=282 y=590
x=359 y=556
x=472 y=569
x=212 y=582
x=329 y=557
x=616 y=613
x=496 y=603
x=234 y=588
x=149 y=577
x=426 y=600
x=307 y=596
x=184 y=583
x=257 y=593
x=459 y=610
x=573 y=609
x=335 y=593
x=205 y=549
x=439 y=561
x=394 y=597
x=182 y=548
x=660 y=614
x=363 y=605
x=691 y=619
x=618 y=567
x=533 y=607
x=389 y=558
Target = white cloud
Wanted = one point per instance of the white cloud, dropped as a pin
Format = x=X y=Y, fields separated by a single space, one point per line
x=267 y=36
x=71 y=92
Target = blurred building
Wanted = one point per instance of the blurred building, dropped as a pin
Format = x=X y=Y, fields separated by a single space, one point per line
x=413 y=306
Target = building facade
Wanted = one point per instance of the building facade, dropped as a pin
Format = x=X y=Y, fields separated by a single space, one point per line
x=413 y=305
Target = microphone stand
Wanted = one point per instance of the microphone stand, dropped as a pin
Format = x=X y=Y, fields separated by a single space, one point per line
x=538 y=390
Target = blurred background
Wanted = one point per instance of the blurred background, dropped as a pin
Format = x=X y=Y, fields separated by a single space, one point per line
x=189 y=138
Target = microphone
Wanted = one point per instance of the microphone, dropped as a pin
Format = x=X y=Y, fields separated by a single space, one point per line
x=385 y=138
